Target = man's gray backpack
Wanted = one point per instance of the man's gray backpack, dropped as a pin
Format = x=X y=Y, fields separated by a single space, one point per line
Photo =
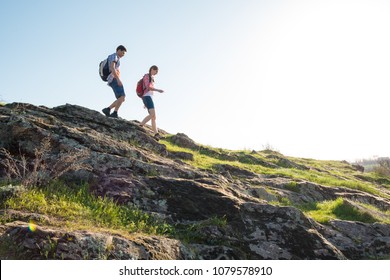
x=104 y=70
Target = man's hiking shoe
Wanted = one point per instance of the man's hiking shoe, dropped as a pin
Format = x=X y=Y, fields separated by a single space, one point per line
x=114 y=115
x=106 y=111
x=157 y=136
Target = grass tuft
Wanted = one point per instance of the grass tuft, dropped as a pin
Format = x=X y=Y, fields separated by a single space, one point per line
x=325 y=211
x=80 y=209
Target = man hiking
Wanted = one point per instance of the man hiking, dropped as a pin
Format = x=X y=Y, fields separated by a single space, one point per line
x=115 y=82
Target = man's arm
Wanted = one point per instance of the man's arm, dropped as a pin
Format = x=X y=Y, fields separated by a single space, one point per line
x=115 y=73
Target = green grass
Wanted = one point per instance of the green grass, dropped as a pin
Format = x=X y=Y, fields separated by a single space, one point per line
x=325 y=211
x=77 y=208
x=195 y=233
x=329 y=173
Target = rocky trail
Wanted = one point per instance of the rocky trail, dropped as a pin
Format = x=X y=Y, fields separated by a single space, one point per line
x=229 y=208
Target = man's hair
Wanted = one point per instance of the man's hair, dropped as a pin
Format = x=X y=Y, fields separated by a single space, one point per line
x=121 y=48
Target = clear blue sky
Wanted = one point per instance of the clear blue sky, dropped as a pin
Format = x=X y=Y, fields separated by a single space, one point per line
x=308 y=78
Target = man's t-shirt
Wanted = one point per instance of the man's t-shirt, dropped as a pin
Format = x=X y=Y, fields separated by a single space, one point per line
x=111 y=58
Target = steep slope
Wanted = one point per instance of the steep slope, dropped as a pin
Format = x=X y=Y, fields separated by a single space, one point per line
x=205 y=203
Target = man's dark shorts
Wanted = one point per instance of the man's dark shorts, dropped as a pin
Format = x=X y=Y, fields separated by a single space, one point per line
x=118 y=90
x=148 y=102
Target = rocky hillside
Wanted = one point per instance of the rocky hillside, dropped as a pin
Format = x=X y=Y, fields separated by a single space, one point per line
x=79 y=185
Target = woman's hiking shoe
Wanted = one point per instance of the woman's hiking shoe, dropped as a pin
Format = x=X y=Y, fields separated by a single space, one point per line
x=157 y=136
x=106 y=111
x=114 y=115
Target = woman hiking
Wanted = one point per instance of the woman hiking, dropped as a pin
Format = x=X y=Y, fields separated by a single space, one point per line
x=147 y=98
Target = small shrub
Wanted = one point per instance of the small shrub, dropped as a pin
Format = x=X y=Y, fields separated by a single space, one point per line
x=383 y=168
x=41 y=169
x=198 y=231
x=292 y=186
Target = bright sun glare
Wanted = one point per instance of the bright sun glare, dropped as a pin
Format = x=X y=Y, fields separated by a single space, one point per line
x=322 y=71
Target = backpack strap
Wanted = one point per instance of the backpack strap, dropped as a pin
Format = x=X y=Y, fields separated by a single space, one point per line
x=143 y=84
